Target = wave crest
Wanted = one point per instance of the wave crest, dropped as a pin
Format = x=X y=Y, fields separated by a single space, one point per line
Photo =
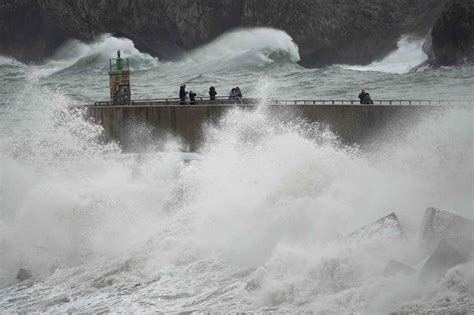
x=408 y=55
x=77 y=57
x=246 y=47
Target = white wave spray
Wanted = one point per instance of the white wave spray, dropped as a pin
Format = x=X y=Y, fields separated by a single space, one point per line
x=252 y=224
x=79 y=57
x=244 y=47
x=408 y=55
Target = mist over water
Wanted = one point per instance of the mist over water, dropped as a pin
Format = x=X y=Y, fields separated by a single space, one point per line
x=255 y=221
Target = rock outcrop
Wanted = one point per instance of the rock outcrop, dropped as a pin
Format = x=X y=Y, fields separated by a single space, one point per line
x=438 y=224
x=453 y=34
x=448 y=253
x=387 y=227
x=343 y=31
x=395 y=267
x=23 y=274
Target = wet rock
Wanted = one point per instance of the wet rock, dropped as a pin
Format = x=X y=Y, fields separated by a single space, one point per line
x=386 y=227
x=327 y=32
x=23 y=274
x=448 y=253
x=453 y=34
x=438 y=224
x=395 y=267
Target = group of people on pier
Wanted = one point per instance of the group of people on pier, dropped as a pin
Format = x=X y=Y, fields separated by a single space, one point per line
x=189 y=97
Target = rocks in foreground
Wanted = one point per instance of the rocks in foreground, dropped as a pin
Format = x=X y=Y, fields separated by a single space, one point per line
x=448 y=253
x=395 y=267
x=386 y=227
x=438 y=225
x=23 y=274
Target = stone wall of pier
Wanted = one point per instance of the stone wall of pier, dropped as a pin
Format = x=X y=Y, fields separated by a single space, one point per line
x=359 y=124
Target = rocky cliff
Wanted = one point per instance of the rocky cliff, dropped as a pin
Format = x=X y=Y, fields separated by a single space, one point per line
x=453 y=34
x=338 y=31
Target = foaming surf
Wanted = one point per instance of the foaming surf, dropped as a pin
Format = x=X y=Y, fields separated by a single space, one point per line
x=254 y=223
x=408 y=55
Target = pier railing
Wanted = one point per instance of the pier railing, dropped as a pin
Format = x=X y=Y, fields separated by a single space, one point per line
x=253 y=101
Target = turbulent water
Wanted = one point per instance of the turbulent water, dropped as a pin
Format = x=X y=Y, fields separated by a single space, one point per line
x=253 y=221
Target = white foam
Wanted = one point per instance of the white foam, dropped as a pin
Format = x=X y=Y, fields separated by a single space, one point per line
x=9 y=61
x=252 y=46
x=95 y=55
x=408 y=55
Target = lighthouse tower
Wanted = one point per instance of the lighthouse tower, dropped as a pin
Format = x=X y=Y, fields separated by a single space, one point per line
x=119 y=74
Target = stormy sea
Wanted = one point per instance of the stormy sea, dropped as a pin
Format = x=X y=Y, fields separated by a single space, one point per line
x=266 y=216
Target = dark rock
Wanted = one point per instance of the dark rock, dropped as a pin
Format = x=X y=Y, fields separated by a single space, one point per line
x=449 y=253
x=438 y=224
x=395 y=267
x=386 y=227
x=23 y=274
x=345 y=31
x=453 y=34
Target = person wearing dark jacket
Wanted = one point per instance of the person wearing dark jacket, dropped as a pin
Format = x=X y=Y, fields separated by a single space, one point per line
x=182 y=94
x=362 y=96
x=212 y=93
x=365 y=98
x=192 y=98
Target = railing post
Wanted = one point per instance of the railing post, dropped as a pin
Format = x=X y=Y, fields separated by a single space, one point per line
x=409 y=102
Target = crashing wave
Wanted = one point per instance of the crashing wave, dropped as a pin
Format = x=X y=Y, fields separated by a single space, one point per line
x=76 y=56
x=245 y=47
x=408 y=55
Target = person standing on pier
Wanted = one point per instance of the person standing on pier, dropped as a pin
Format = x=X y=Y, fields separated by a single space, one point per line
x=365 y=98
x=238 y=94
x=192 y=98
x=212 y=93
x=232 y=95
x=182 y=94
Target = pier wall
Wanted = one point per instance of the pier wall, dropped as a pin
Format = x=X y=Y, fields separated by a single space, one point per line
x=353 y=123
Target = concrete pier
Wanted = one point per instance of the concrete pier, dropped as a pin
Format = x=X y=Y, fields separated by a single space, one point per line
x=353 y=123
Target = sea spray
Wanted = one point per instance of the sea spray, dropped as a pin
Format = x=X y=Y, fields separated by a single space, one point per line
x=408 y=55
x=256 y=223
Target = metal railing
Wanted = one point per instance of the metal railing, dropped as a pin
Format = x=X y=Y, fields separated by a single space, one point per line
x=252 y=101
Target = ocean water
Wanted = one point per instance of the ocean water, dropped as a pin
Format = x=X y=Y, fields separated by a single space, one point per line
x=254 y=221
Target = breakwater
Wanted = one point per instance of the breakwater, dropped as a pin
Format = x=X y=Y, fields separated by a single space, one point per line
x=358 y=124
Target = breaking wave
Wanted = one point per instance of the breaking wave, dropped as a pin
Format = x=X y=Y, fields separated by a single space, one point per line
x=408 y=55
x=255 y=221
x=76 y=57
x=244 y=47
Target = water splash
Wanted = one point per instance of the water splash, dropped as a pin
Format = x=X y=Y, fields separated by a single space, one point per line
x=408 y=55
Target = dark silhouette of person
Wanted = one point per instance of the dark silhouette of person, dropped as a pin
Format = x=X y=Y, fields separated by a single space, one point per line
x=232 y=95
x=212 y=93
x=362 y=96
x=238 y=94
x=365 y=98
x=182 y=94
x=192 y=98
